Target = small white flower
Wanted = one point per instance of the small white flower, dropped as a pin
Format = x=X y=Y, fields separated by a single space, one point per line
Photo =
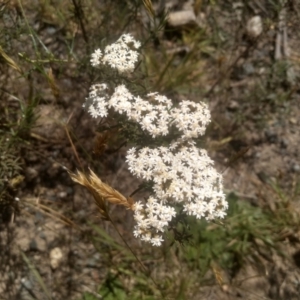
x=126 y=38
x=146 y=237
x=157 y=240
x=138 y=206
x=97 y=101
x=93 y=111
x=137 y=232
x=95 y=58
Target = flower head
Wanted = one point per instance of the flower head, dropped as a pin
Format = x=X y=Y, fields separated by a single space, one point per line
x=181 y=173
x=191 y=118
x=97 y=101
x=119 y=55
x=95 y=58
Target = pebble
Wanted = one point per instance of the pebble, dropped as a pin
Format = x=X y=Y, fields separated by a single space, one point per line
x=181 y=18
x=254 y=26
x=27 y=283
x=51 y=30
x=296 y=168
x=248 y=68
x=56 y=257
x=91 y=263
x=31 y=173
x=62 y=195
x=233 y=105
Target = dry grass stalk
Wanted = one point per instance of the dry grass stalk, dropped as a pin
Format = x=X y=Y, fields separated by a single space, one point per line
x=101 y=192
x=52 y=83
x=9 y=60
x=101 y=142
x=149 y=7
x=218 y=274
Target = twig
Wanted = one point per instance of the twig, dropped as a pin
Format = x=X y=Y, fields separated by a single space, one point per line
x=79 y=14
x=281 y=46
x=71 y=142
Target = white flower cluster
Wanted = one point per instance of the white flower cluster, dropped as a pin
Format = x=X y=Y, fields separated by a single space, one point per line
x=154 y=216
x=155 y=114
x=119 y=55
x=191 y=118
x=97 y=101
x=181 y=173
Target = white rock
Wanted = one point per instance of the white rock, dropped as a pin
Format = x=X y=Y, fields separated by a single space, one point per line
x=254 y=26
x=56 y=257
x=181 y=18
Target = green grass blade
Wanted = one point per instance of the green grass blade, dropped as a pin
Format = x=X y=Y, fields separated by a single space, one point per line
x=36 y=275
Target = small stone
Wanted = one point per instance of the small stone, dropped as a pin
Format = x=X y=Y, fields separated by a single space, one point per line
x=248 y=68
x=254 y=27
x=26 y=283
x=296 y=168
x=31 y=173
x=51 y=30
x=91 y=263
x=56 y=256
x=181 y=18
x=233 y=105
x=62 y=195
x=257 y=155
